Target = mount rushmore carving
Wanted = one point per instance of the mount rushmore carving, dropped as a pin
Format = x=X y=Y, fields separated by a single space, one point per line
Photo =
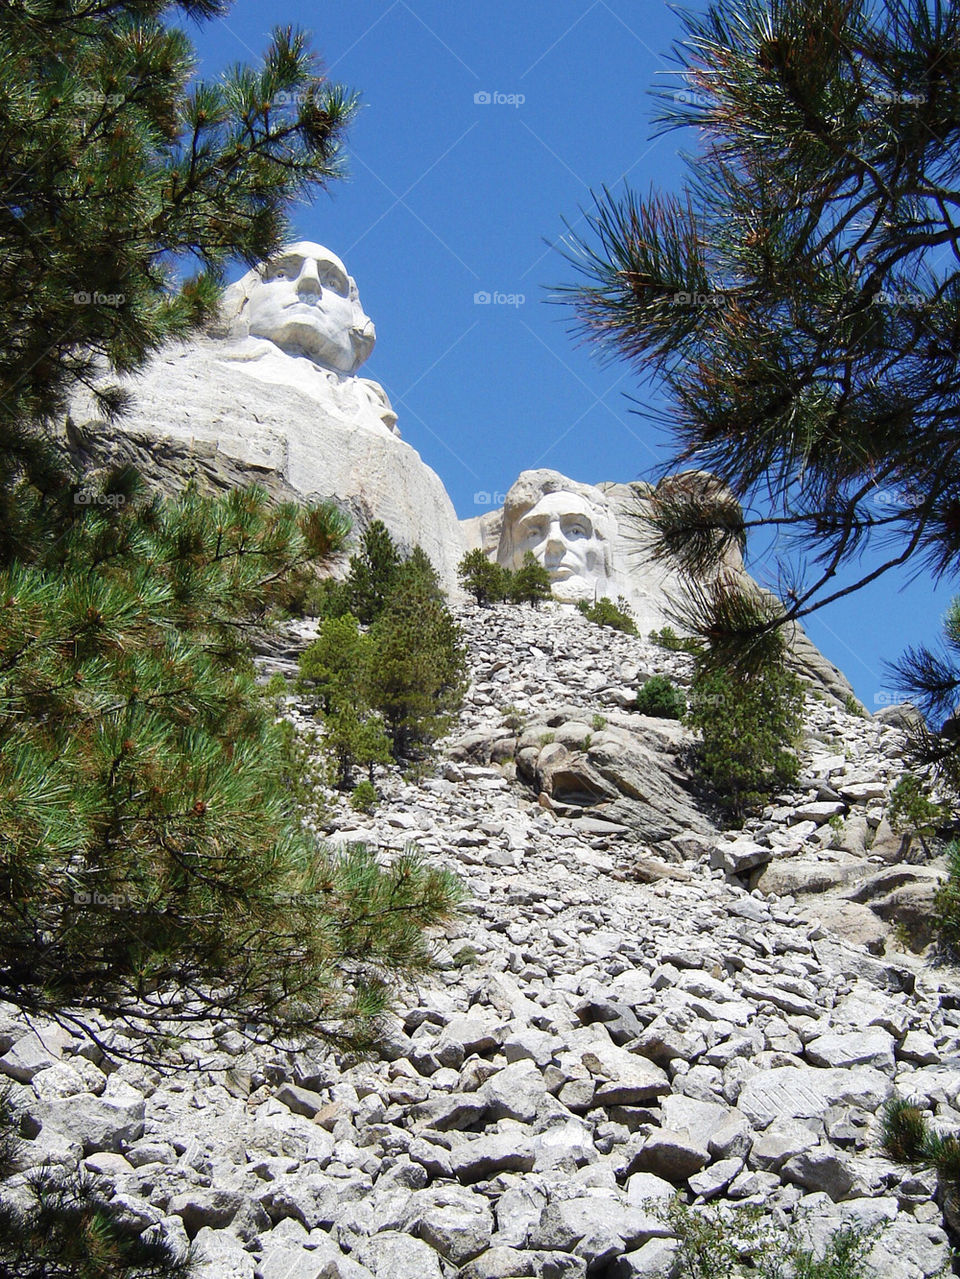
x=273 y=394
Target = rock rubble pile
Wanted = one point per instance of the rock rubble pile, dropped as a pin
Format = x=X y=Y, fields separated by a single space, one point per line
x=633 y=1003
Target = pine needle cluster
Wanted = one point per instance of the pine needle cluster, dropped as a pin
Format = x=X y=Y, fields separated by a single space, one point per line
x=799 y=299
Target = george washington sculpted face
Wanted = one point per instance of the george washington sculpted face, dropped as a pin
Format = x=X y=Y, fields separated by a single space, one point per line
x=303 y=301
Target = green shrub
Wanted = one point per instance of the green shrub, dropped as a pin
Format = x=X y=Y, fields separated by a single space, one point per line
x=605 y=613
x=668 y=638
x=530 y=584
x=942 y=1152
x=276 y=689
x=661 y=698
x=911 y=809
x=744 y=1242
x=598 y=723
x=364 y=798
x=750 y=724
x=904 y=1132
x=908 y=1138
x=304 y=768
x=354 y=737
x=514 y=719
x=327 y=598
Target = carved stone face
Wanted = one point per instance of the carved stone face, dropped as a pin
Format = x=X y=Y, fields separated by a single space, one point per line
x=562 y=530
x=304 y=301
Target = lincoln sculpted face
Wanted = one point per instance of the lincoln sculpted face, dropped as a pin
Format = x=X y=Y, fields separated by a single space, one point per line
x=303 y=301
x=562 y=532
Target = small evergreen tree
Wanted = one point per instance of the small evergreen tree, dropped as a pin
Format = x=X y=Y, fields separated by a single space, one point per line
x=373 y=573
x=335 y=665
x=417 y=567
x=417 y=668
x=750 y=722
x=332 y=665
x=530 y=583
x=486 y=580
x=355 y=737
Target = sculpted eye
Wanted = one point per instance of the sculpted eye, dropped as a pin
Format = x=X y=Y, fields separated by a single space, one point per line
x=333 y=280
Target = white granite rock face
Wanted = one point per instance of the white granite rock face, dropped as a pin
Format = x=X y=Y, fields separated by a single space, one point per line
x=277 y=391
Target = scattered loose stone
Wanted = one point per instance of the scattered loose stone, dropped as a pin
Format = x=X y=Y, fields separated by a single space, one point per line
x=634 y=1003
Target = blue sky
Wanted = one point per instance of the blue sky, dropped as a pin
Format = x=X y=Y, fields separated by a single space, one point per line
x=451 y=195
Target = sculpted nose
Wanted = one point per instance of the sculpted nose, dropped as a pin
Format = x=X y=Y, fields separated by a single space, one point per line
x=555 y=544
x=308 y=281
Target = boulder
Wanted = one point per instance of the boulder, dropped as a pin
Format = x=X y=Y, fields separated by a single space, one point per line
x=672 y=1155
x=623 y=1078
x=794 y=1092
x=455 y=1222
x=394 y=1255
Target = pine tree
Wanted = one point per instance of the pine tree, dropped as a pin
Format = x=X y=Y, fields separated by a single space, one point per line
x=120 y=175
x=799 y=299
x=485 y=579
x=416 y=673
x=750 y=723
x=530 y=584
x=332 y=665
x=152 y=859
x=373 y=573
x=417 y=567
x=355 y=737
